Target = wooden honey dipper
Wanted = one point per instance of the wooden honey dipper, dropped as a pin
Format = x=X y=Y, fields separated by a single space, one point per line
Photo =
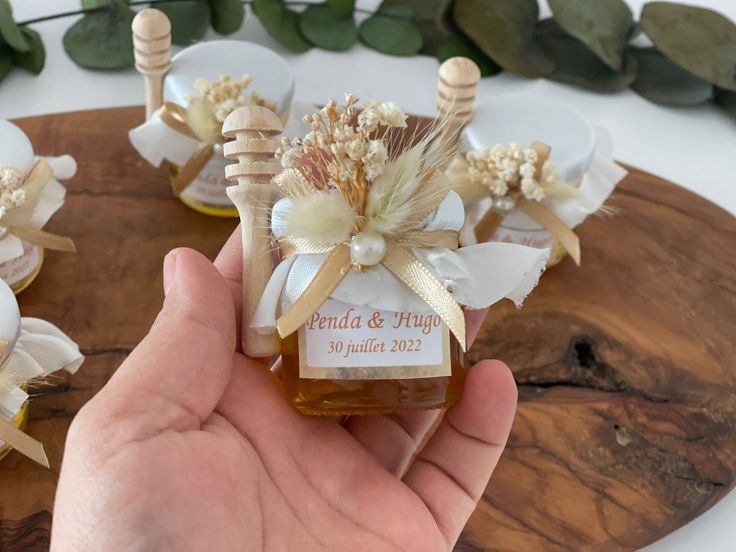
x=255 y=130
x=152 y=45
x=457 y=84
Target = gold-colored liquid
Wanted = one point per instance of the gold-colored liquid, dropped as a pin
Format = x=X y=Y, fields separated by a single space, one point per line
x=556 y=254
x=20 y=423
x=17 y=287
x=205 y=208
x=351 y=397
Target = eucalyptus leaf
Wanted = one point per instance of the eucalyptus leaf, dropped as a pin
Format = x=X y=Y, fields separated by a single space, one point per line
x=433 y=18
x=281 y=23
x=190 y=20
x=33 y=60
x=227 y=15
x=576 y=64
x=697 y=39
x=726 y=99
x=604 y=26
x=504 y=30
x=92 y=4
x=661 y=81
x=392 y=32
x=102 y=39
x=6 y=60
x=10 y=32
x=461 y=46
x=320 y=27
x=342 y=9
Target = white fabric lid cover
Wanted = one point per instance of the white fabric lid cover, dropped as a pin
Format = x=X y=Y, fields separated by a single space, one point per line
x=9 y=319
x=16 y=149
x=569 y=133
x=272 y=76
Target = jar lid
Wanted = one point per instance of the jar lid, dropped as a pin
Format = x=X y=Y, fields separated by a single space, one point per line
x=15 y=149
x=523 y=118
x=9 y=319
x=272 y=75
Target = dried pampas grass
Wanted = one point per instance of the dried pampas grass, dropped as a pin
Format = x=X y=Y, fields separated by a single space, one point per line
x=11 y=377
x=324 y=218
x=202 y=121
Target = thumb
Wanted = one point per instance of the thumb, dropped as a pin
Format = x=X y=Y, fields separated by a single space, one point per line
x=181 y=368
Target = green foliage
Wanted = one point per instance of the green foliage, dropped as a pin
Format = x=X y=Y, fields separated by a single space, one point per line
x=6 y=60
x=586 y=43
x=433 y=18
x=604 y=26
x=576 y=64
x=321 y=27
x=342 y=9
x=661 y=81
x=10 y=32
x=190 y=20
x=34 y=59
x=504 y=31
x=726 y=99
x=281 y=23
x=697 y=39
x=391 y=30
x=102 y=39
x=227 y=15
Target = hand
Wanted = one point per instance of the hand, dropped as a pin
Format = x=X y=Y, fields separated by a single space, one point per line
x=193 y=446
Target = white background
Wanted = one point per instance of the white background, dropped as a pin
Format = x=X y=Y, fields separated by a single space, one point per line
x=695 y=147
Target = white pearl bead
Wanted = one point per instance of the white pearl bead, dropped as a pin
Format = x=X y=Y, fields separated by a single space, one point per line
x=367 y=248
x=505 y=204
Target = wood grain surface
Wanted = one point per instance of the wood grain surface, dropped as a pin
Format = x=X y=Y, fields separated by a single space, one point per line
x=626 y=427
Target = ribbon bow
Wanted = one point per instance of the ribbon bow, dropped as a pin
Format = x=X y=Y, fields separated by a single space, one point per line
x=14 y=437
x=489 y=223
x=17 y=220
x=196 y=123
x=398 y=259
x=175 y=117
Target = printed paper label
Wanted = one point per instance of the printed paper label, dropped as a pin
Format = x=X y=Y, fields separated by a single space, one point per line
x=343 y=341
x=539 y=239
x=209 y=185
x=17 y=270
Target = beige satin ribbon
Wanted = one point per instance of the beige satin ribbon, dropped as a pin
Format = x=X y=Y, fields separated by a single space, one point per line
x=491 y=220
x=17 y=219
x=14 y=437
x=399 y=260
x=174 y=116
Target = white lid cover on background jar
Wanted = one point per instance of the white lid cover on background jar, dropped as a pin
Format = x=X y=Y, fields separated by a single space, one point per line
x=477 y=276
x=16 y=150
x=272 y=79
x=35 y=348
x=580 y=153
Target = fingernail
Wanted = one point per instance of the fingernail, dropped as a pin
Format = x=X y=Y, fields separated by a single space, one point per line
x=169 y=271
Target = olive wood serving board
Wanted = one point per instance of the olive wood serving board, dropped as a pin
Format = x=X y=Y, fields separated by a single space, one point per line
x=626 y=427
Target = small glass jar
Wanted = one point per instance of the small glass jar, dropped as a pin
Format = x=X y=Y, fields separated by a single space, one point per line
x=20 y=272
x=206 y=193
x=273 y=79
x=520 y=229
x=572 y=139
x=372 y=389
x=20 y=422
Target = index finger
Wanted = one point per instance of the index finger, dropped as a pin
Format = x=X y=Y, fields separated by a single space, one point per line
x=229 y=263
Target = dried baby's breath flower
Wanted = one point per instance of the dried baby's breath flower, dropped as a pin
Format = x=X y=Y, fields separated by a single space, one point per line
x=11 y=194
x=377 y=114
x=345 y=160
x=507 y=170
x=339 y=153
x=226 y=95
